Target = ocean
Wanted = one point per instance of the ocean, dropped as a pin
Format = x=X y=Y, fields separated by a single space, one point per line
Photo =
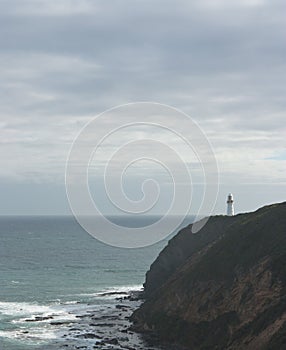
x=60 y=288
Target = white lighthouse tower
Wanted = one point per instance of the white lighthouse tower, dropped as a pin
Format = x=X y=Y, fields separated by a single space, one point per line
x=230 y=208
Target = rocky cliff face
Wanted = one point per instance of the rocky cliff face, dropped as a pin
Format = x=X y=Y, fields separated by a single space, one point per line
x=183 y=246
x=222 y=288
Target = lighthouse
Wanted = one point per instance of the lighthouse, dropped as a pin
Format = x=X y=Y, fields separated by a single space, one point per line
x=230 y=208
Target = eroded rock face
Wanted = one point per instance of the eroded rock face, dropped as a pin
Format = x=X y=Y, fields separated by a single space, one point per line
x=180 y=248
x=229 y=293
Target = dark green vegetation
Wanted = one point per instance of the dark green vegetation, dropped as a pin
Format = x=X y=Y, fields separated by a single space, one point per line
x=222 y=288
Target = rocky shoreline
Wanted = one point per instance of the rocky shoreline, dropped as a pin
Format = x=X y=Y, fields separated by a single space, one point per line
x=222 y=288
x=108 y=328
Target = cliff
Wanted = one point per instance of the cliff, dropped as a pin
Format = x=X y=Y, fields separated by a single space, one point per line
x=222 y=288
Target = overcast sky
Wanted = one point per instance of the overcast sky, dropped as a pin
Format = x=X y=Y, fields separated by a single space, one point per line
x=223 y=62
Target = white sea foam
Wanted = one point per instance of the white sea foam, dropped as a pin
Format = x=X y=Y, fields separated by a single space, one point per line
x=127 y=289
x=29 y=327
x=37 y=336
x=34 y=322
x=60 y=310
x=113 y=292
x=17 y=309
x=27 y=313
x=71 y=302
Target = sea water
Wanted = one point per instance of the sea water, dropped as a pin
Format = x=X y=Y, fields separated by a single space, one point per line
x=53 y=275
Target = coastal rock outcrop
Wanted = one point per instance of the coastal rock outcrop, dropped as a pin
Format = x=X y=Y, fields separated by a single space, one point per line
x=222 y=288
x=183 y=246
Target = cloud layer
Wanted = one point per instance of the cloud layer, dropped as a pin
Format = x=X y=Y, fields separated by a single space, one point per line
x=222 y=62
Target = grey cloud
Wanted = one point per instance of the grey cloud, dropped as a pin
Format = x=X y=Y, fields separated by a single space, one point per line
x=223 y=62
